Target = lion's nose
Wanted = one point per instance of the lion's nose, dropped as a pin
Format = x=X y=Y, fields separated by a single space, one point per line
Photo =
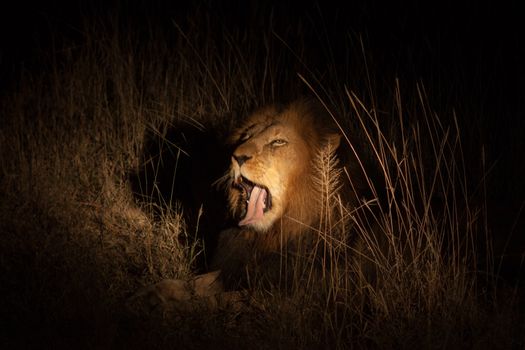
x=241 y=159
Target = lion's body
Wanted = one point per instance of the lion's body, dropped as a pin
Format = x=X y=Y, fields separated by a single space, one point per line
x=273 y=167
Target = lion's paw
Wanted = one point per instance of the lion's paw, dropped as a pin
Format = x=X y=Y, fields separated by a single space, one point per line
x=201 y=291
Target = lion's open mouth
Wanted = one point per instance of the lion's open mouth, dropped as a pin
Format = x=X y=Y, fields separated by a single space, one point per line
x=256 y=199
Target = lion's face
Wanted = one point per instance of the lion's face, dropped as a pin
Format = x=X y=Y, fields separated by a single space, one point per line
x=271 y=166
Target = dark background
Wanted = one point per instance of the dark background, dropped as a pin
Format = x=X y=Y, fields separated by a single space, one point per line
x=478 y=39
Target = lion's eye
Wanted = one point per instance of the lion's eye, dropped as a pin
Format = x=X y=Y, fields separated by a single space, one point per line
x=278 y=142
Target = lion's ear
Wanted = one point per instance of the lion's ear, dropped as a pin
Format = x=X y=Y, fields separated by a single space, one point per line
x=333 y=141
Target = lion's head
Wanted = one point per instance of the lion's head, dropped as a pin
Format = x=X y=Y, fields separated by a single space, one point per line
x=271 y=174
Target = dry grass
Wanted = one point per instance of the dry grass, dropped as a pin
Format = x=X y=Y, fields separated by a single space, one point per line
x=76 y=241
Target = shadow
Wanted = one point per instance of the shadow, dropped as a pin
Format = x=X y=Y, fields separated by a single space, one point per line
x=182 y=168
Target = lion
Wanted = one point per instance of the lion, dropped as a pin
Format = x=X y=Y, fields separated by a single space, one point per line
x=271 y=185
x=272 y=195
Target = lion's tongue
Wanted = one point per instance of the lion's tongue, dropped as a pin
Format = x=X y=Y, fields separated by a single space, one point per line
x=255 y=206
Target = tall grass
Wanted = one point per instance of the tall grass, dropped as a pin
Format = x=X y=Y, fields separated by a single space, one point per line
x=77 y=242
